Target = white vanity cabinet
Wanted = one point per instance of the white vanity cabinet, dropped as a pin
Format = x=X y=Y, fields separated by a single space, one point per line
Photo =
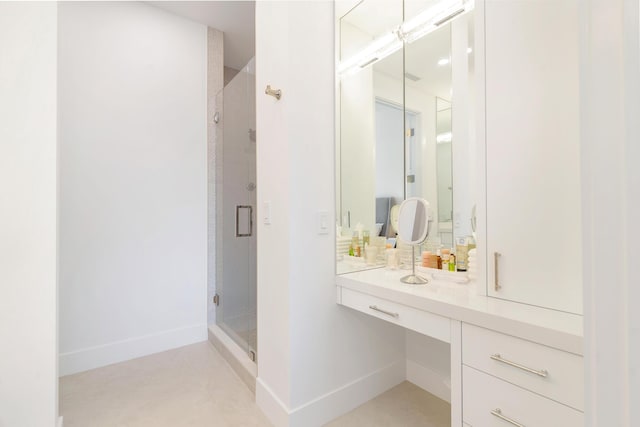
x=510 y=362
x=532 y=152
x=510 y=380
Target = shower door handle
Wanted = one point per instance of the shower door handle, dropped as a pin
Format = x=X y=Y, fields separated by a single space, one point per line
x=244 y=221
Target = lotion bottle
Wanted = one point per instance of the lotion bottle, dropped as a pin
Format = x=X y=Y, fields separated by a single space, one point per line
x=462 y=250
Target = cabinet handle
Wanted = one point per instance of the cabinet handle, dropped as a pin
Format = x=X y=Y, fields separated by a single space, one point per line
x=498 y=413
x=388 y=313
x=542 y=373
x=496 y=257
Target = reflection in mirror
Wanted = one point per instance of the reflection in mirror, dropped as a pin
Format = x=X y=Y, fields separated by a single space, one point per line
x=428 y=83
x=444 y=171
x=413 y=228
x=367 y=190
x=404 y=122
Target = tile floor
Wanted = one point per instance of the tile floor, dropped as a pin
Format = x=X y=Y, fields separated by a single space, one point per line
x=405 y=405
x=194 y=386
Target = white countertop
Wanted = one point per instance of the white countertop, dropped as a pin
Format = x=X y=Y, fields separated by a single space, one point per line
x=461 y=302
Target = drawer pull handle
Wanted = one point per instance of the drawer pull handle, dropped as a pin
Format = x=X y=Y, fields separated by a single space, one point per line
x=388 y=313
x=542 y=373
x=498 y=413
x=496 y=257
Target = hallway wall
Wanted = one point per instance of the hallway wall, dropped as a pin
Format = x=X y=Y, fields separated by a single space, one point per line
x=133 y=201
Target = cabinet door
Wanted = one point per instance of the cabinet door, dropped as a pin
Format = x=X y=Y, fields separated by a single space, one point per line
x=533 y=157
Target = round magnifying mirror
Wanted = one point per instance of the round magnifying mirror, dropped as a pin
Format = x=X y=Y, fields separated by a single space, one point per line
x=413 y=220
x=413 y=228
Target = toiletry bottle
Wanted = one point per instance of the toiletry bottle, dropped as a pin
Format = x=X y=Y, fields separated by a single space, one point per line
x=366 y=239
x=439 y=255
x=433 y=261
x=426 y=255
x=392 y=258
x=444 y=253
x=471 y=242
x=462 y=250
x=355 y=243
x=452 y=262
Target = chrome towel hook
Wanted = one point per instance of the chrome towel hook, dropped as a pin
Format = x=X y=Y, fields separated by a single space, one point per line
x=276 y=93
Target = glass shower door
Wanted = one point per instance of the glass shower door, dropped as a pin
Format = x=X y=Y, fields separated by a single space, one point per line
x=236 y=210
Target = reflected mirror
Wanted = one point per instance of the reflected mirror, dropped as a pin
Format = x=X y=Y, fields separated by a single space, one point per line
x=404 y=122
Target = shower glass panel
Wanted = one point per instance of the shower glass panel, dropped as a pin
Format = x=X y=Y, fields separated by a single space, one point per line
x=236 y=209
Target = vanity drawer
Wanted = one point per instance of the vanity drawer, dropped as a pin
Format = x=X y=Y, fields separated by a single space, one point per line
x=486 y=399
x=417 y=320
x=524 y=363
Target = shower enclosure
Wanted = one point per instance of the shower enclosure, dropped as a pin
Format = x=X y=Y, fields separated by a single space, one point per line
x=235 y=201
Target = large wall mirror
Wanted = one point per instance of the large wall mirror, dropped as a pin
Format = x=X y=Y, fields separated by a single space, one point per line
x=405 y=122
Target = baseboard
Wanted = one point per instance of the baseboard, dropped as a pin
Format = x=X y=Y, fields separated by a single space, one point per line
x=325 y=408
x=275 y=410
x=235 y=356
x=103 y=355
x=434 y=382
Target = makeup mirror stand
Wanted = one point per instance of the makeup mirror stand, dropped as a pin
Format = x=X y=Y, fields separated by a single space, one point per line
x=414 y=279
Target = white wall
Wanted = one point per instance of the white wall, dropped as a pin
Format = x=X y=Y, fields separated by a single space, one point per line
x=133 y=227
x=316 y=359
x=429 y=364
x=28 y=185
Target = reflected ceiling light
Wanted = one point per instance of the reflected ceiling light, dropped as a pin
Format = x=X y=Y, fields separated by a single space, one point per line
x=429 y=20
x=378 y=49
x=410 y=31
x=444 y=61
x=443 y=137
x=469 y=50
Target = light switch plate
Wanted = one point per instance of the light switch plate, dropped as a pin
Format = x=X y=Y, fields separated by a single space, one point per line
x=266 y=212
x=323 y=222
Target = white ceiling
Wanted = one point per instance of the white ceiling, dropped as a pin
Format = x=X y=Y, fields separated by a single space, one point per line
x=235 y=18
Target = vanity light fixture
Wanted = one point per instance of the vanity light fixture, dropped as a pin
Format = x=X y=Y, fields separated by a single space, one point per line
x=410 y=31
